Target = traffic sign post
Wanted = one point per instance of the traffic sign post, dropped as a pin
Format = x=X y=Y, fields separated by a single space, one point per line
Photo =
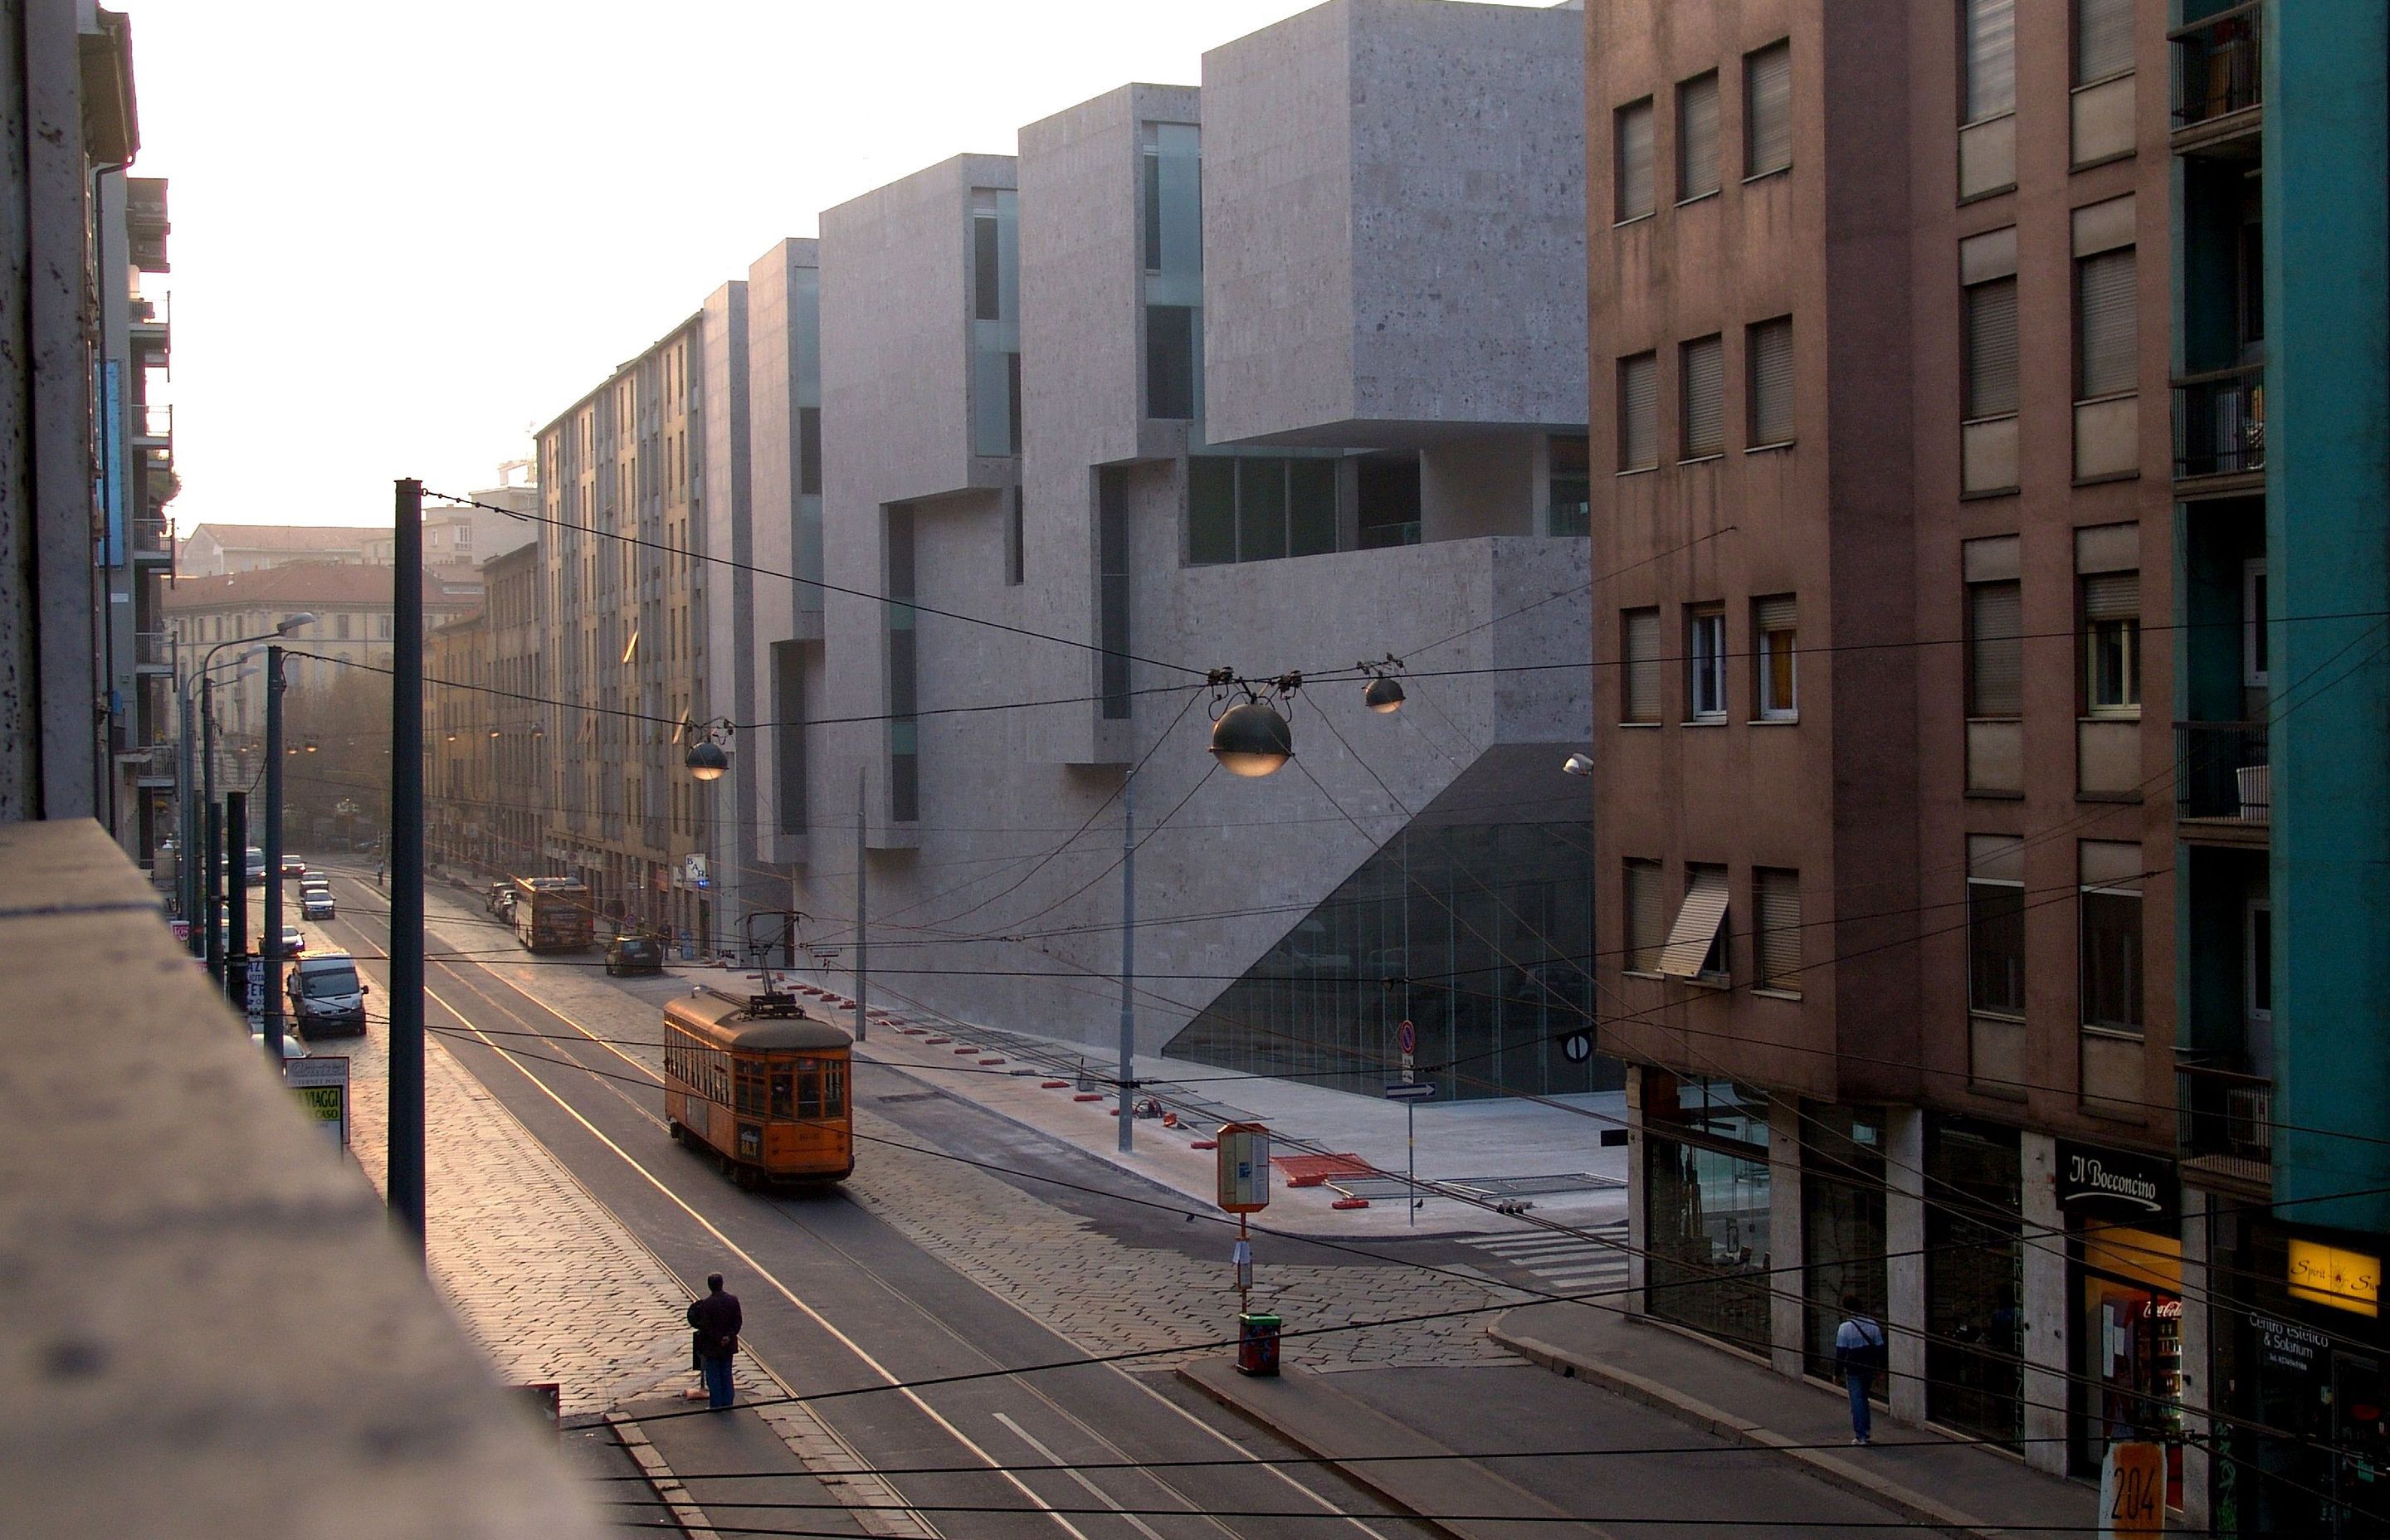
x=1410 y=1093
x=1244 y=1172
x=1578 y=1047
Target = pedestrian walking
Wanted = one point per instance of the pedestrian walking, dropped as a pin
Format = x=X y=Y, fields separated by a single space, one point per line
x=382 y=869
x=1859 y=1352
x=714 y=1324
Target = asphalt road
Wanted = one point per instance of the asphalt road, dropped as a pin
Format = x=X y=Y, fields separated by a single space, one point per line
x=919 y=1368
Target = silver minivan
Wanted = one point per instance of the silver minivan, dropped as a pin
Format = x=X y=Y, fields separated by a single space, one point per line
x=326 y=996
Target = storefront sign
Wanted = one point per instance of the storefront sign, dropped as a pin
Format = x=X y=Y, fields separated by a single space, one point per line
x=322 y=1085
x=2116 y=1185
x=2287 y=1345
x=2335 y=1276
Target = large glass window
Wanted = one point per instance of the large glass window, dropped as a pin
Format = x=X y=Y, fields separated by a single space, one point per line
x=1705 y=663
x=1974 y=1279
x=1259 y=508
x=2112 y=643
x=996 y=322
x=2110 y=916
x=1776 y=622
x=1707 y=1206
x=903 y=729
x=1479 y=935
x=1842 y=1221
x=1570 y=509
x=1112 y=564
x=1173 y=270
x=1996 y=945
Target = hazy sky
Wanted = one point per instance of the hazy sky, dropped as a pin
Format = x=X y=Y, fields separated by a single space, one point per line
x=404 y=237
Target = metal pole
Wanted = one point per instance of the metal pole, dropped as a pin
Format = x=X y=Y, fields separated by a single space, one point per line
x=211 y=880
x=274 y=856
x=1410 y=1143
x=406 y=1181
x=235 y=956
x=862 y=904
x=1129 y=964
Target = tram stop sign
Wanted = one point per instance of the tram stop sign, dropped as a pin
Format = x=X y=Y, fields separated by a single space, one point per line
x=1244 y=1167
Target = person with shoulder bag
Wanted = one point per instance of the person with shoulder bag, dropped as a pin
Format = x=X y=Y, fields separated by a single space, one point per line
x=1859 y=1354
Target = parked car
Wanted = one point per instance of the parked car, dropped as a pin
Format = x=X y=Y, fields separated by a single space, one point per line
x=634 y=953
x=327 y=996
x=315 y=904
x=292 y=866
x=254 y=865
x=293 y=943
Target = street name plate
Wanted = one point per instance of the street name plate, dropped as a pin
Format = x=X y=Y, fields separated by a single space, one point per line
x=1410 y=1090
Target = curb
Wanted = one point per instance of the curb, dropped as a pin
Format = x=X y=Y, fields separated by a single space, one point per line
x=1830 y=1469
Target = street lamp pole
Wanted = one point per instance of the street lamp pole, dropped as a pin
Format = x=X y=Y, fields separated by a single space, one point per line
x=405 y=1177
x=1129 y=964
x=273 y=1002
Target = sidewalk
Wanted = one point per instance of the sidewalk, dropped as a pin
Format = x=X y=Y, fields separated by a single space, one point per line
x=1928 y=1477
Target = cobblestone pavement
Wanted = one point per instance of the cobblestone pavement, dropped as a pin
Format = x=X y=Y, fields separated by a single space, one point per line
x=555 y=1289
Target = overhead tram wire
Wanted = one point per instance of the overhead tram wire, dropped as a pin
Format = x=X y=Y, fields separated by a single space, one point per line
x=820 y=583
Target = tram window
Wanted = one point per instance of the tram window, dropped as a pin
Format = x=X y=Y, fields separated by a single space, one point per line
x=809 y=1093
x=718 y=1077
x=781 y=1100
x=833 y=1092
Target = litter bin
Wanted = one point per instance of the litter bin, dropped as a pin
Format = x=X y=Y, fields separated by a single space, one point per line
x=1257 y=1343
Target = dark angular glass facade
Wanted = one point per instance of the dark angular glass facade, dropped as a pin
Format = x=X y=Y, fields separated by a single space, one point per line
x=1479 y=935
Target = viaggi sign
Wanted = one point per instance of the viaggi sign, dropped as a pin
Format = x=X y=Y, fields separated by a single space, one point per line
x=2119 y=1186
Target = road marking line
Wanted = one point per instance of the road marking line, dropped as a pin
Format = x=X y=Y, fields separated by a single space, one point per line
x=1098 y=1493
x=786 y=1292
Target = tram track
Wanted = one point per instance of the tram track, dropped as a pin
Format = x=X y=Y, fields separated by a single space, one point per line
x=486 y=987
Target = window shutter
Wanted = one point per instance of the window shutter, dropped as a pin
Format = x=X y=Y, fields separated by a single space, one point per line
x=1767 y=108
x=1775 y=612
x=1991 y=349
x=1990 y=84
x=1697 y=923
x=1697 y=136
x=2108 y=305
x=1634 y=171
x=1704 y=413
x=1639 y=696
x=1638 y=412
x=2113 y=596
x=1646 y=921
x=2104 y=39
x=1996 y=649
x=1777 y=897
x=1771 y=381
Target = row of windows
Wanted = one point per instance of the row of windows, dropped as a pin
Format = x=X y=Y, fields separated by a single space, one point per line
x=1696 y=943
x=1775 y=671
x=1700 y=396
x=799 y=1088
x=2102 y=39
x=2107 y=624
x=1766 y=133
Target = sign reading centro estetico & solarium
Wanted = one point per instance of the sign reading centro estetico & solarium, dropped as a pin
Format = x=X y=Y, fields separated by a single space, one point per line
x=2119 y=1186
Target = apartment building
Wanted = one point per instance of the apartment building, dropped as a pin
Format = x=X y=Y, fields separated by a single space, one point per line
x=459 y=760
x=214 y=549
x=1883 y=827
x=623 y=479
x=2281 y=399
x=1076 y=394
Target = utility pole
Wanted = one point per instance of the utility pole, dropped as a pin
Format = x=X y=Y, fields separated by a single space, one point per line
x=273 y=1001
x=235 y=981
x=211 y=879
x=406 y=1181
x=1129 y=964
x=862 y=904
x=212 y=852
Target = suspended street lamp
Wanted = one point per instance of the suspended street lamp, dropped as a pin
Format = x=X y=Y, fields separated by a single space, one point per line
x=1384 y=692
x=1253 y=739
x=707 y=759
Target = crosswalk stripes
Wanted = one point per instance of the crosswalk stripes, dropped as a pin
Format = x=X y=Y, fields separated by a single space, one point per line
x=1570 y=1262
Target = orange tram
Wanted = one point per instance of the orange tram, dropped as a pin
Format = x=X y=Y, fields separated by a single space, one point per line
x=760 y=1084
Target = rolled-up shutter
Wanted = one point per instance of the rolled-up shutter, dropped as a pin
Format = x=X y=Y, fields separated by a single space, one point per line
x=1771 y=381
x=1702 y=396
x=1777 y=897
x=1697 y=137
x=2104 y=39
x=1647 y=920
x=2108 y=305
x=1638 y=412
x=1634 y=128
x=1639 y=696
x=1775 y=612
x=1991 y=364
x=1994 y=650
x=1767 y=97
x=2113 y=596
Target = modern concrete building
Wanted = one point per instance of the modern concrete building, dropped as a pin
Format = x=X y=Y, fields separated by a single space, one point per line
x=1077 y=461
x=1884 y=830
x=623 y=483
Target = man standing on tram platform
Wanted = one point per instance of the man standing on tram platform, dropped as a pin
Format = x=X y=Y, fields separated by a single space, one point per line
x=714 y=1325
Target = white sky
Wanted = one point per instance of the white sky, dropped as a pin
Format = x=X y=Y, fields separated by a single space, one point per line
x=400 y=246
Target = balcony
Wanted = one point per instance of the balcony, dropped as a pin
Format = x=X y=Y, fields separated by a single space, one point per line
x=153 y=426
x=153 y=329
x=2219 y=429
x=2223 y=782
x=2225 y=1123
x=151 y=540
x=2218 y=84
x=154 y=651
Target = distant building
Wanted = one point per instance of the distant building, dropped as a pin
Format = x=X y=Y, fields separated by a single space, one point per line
x=455 y=536
x=354 y=628
x=212 y=550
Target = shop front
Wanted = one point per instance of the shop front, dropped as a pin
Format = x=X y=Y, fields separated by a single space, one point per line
x=2299 y=1370
x=1974 y=1279
x=1842 y=1223
x=2124 y=1232
x=1707 y=1206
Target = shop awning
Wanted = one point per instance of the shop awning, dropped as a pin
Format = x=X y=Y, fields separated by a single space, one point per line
x=1697 y=925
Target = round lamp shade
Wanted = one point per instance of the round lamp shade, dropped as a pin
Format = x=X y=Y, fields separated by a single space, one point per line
x=1252 y=739
x=706 y=761
x=1384 y=694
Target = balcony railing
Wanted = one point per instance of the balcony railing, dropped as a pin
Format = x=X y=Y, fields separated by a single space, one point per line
x=152 y=537
x=2226 y=1115
x=2220 y=422
x=2218 y=66
x=153 y=649
x=153 y=421
x=2222 y=771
